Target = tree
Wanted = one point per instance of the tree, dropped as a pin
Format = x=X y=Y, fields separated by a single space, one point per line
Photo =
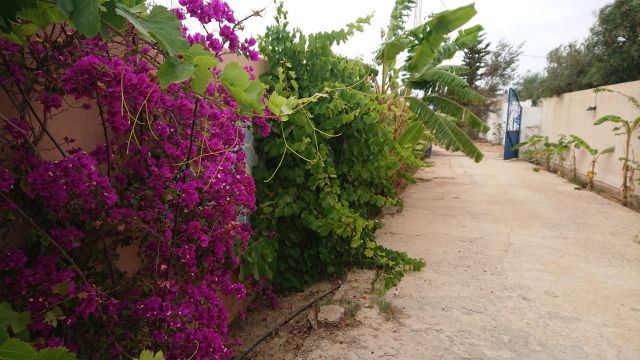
x=609 y=55
x=439 y=107
x=475 y=59
x=501 y=68
x=530 y=87
x=567 y=69
x=614 y=42
x=497 y=71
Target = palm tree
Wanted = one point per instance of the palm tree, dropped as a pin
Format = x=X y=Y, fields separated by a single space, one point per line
x=431 y=91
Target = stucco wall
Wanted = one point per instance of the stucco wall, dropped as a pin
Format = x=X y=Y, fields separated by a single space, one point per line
x=567 y=114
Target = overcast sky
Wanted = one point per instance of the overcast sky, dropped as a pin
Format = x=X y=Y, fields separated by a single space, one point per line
x=540 y=24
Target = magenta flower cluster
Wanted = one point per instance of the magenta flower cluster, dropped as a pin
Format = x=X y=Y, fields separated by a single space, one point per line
x=169 y=179
x=219 y=13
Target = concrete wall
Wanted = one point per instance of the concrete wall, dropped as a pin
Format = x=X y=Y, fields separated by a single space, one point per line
x=567 y=114
x=531 y=120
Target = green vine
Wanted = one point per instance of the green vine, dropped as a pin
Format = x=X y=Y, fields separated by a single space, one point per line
x=317 y=207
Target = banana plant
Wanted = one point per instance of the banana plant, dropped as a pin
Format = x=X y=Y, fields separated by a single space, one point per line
x=579 y=143
x=422 y=86
x=546 y=152
x=627 y=129
x=560 y=150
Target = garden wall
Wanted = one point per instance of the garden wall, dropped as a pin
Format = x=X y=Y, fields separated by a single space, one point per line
x=575 y=113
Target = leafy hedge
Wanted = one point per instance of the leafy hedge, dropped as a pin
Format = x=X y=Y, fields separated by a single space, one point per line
x=334 y=161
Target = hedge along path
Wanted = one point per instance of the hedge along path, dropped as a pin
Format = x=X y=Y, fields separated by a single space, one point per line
x=519 y=266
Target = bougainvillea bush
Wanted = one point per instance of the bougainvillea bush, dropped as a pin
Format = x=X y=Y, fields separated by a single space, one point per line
x=167 y=176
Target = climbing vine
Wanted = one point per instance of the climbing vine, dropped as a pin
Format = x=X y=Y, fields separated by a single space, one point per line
x=334 y=161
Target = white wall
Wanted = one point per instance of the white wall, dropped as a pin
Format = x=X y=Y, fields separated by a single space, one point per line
x=567 y=114
x=531 y=121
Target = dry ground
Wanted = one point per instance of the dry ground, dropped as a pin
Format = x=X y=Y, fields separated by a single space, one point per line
x=520 y=265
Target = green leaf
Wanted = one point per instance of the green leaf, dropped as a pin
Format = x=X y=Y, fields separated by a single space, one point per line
x=609 y=118
x=160 y=25
x=14 y=349
x=197 y=50
x=276 y=102
x=20 y=321
x=84 y=14
x=6 y=314
x=368 y=253
x=172 y=71
x=59 y=353
x=234 y=76
x=146 y=355
x=111 y=17
x=432 y=34
x=355 y=242
x=412 y=134
x=61 y=288
x=247 y=93
x=444 y=129
x=281 y=106
x=459 y=112
x=52 y=316
x=36 y=15
x=66 y=6
x=608 y=150
x=392 y=49
x=202 y=74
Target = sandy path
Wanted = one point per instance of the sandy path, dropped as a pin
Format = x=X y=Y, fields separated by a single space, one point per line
x=519 y=266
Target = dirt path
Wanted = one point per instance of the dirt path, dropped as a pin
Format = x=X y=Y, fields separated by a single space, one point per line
x=519 y=266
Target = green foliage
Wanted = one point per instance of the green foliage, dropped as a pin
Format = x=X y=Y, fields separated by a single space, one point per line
x=150 y=355
x=159 y=25
x=84 y=14
x=259 y=258
x=530 y=87
x=475 y=59
x=540 y=149
x=580 y=144
x=412 y=134
x=567 y=70
x=13 y=322
x=427 y=46
x=334 y=160
x=248 y=92
x=174 y=70
x=501 y=68
x=444 y=128
x=609 y=55
x=614 y=44
x=625 y=128
x=14 y=337
x=491 y=72
x=15 y=349
x=428 y=37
